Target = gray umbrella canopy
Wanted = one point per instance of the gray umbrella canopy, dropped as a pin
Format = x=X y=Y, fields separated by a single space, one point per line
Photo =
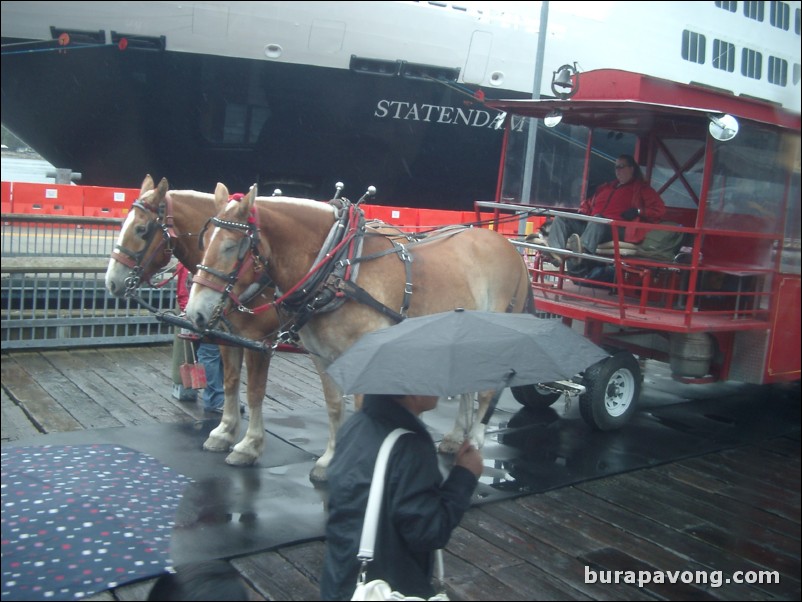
x=463 y=351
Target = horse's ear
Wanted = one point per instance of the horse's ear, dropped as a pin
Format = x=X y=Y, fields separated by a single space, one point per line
x=220 y=196
x=251 y=196
x=147 y=185
x=164 y=186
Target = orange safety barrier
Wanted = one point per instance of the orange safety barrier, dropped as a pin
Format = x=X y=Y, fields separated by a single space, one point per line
x=108 y=202
x=6 y=198
x=432 y=218
x=404 y=217
x=48 y=199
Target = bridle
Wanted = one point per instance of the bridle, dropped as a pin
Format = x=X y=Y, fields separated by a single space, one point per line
x=138 y=261
x=248 y=257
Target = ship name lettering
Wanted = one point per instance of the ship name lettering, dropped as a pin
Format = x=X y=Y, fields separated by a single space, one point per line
x=410 y=111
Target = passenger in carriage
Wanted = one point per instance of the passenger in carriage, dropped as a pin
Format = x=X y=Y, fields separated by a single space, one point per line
x=628 y=197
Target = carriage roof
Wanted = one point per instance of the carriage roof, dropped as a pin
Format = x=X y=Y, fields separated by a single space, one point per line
x=633 y=102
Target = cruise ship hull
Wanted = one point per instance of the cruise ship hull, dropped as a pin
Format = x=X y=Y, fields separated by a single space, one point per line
x=185 y=116
x=302 y=95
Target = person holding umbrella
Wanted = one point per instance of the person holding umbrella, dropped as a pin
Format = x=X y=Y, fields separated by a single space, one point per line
x=419 y=509
x=403 y=370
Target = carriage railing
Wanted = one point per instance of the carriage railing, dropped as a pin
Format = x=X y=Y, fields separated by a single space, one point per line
x=691 y=292
x=53 y=289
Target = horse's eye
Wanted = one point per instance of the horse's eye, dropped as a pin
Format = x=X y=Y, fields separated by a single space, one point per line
x=141 y=230
x=230 y=246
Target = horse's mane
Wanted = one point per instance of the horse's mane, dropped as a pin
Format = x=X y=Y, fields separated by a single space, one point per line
x=299 y=202
x=191 y=194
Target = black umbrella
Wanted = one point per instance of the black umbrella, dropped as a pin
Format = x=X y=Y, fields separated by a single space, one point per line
x=463 y=351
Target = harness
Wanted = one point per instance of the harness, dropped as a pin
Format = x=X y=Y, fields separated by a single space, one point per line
x=330 y=281
x=138 y=261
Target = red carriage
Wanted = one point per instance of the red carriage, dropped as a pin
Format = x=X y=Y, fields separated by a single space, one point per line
x=723 y=301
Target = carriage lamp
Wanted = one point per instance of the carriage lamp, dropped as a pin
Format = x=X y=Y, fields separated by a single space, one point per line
x=723 y=127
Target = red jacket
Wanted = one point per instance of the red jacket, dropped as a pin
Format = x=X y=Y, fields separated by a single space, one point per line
x=611 y=200
x=181 y=289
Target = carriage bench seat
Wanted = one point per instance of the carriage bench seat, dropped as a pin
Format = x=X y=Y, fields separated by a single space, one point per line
x=661 y=247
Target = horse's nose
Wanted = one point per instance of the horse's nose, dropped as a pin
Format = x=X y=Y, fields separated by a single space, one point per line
x=200 y=320
x=112 y=287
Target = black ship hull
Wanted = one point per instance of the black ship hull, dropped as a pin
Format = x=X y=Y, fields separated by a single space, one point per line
x=115 y=116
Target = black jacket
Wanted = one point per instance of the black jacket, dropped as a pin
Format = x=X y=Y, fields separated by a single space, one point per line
x=419 y=509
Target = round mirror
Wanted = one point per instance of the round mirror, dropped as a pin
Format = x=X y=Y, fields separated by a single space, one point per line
x=723 y=127
x=552 y=119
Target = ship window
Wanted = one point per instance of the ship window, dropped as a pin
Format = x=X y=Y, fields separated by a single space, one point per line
x=751 y=63
x=693 y=47
x=754 y=10
x=730 y=6
x=796 y=21
x=723 y=55
x=778 y=71
x=797 y=73
x=780 y=15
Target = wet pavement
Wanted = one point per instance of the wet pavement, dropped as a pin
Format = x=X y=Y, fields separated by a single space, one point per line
x=227 y=511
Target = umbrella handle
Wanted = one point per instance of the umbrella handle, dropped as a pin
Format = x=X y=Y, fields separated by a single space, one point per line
x=491 y=407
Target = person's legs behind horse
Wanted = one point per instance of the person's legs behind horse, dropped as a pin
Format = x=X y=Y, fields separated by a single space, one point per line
x=181 y=355
x=214 y=397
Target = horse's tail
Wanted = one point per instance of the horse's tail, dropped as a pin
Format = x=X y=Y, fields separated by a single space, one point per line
x=529 y=306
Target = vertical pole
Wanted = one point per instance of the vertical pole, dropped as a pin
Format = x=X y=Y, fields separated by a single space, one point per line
x=526 y=191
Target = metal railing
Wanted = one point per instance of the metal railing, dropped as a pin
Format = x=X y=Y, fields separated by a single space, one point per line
x=53 y=289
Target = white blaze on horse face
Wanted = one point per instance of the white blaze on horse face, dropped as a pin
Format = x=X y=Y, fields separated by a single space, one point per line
x=202 y=299
x=117 y=272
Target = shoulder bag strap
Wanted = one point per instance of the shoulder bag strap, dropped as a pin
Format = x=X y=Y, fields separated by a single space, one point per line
x=367 y=541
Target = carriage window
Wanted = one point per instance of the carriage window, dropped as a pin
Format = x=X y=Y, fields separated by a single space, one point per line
x=791 y=259
x=551 y=176
x=680 y=190
x=749 y=186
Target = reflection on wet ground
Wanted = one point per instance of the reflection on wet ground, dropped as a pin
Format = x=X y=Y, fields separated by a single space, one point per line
x=228 y=511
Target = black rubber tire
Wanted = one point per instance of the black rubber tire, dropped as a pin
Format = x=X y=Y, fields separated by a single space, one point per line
x=612 y=391
x=534 y=397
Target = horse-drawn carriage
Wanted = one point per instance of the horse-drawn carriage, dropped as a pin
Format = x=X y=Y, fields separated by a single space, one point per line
x=723 y=303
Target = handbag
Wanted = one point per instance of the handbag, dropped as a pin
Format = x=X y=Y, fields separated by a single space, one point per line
x=193 y=374
x=378 y=589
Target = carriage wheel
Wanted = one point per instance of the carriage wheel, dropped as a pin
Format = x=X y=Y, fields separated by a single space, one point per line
x=534 y=397
x=612 y=390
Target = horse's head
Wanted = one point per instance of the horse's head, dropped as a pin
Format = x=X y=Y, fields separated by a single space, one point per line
x=143 y=246
x=234 y=262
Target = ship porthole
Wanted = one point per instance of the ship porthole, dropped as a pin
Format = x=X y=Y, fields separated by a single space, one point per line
x=496 y=78
x=273 y=51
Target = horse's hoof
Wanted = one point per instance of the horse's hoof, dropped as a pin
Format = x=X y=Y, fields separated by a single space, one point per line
x=215 y=444
x=318 y=475
x=239 y=459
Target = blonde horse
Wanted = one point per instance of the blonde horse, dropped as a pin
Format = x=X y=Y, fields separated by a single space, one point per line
x=164 y=223
x=337 y=279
